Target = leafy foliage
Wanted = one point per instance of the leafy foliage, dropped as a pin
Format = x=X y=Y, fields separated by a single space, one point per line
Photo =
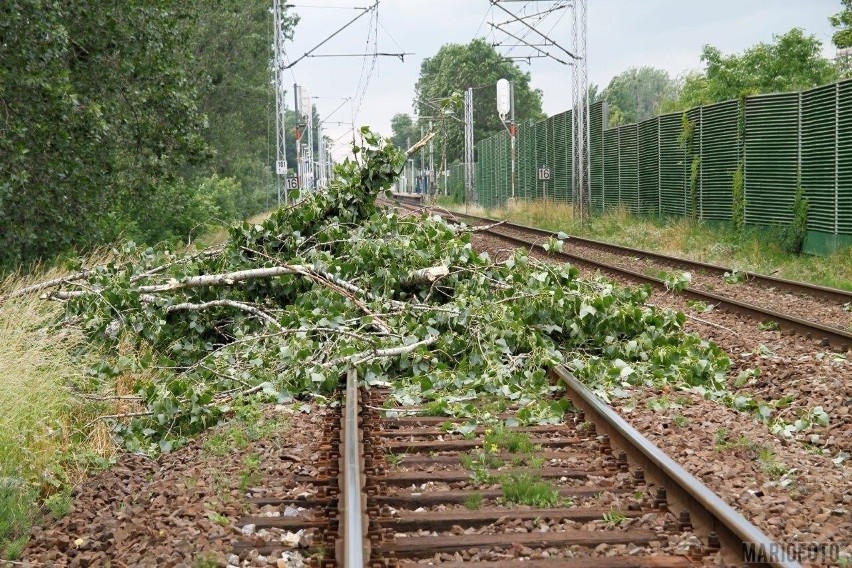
x=842 y=20
x=792 y=62
x=455 y=68
x=738 y=200
x=635 y=95
x=470 y=344
x=111 y=114
x=793 y=235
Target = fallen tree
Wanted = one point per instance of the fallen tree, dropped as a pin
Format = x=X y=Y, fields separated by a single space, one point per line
x=332 y=282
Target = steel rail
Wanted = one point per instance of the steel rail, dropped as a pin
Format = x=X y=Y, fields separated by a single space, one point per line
x=734 y=530
x=355 y=553
x=791 y=285
x=830 y=335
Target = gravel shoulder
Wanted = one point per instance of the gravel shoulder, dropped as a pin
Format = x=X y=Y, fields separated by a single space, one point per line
x=182 y=508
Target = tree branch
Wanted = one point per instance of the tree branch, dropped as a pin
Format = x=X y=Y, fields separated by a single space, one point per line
x=254 y=310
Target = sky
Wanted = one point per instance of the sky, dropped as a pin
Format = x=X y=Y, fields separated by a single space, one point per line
x=667 y=34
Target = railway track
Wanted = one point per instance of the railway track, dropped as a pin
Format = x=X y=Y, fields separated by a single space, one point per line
x=394 y=487
x=577 y=250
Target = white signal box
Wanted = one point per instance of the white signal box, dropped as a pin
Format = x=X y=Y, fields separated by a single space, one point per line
x=504 y=98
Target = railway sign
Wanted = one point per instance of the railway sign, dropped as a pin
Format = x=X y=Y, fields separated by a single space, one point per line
x=292 y=182
x=543 y=174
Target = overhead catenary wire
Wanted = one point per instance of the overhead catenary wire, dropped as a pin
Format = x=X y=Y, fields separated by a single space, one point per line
x=515 y=18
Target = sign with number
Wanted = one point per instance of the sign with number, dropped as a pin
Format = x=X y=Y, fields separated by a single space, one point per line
x=292 y=183
x=281 y=167
x=543 y=174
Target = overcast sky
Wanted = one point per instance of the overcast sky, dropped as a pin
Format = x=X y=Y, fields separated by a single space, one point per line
x=667 y=34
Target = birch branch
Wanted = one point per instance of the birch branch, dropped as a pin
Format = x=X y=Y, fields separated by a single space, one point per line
x=254 y=310
x=227 y=278
x=424 y=276
x=358 y=358
x=82 y=275
x=416 y=148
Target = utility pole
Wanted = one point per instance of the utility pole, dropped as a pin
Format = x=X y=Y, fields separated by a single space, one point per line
x=321 y=157
x=432 y=179
x=469 y=186
x=311 y=141
x=304 y=152
x=408 y=188
x=280 y=110
x=580 y=128
x=422 y=170
x=297 y=94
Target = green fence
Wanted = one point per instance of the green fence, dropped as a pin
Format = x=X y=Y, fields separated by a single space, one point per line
x=674 y=167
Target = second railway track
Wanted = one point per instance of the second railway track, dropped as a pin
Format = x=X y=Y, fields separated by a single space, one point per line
x=820 y=312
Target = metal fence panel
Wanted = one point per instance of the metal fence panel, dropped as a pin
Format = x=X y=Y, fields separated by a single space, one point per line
x=771 y=157
x=719 y=156
x=844 y=158
x=628 y=166
x=611 y=173
x=525 y=161
x=541 y=154
x=561 y=156
x=692 y=155
x=672 y=183
x=597 y=117
x=649 y=166
x=819 y=149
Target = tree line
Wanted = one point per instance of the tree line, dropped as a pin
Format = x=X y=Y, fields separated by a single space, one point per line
x=141 y=119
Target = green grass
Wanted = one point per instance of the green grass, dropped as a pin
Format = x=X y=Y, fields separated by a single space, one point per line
x=614 y=517
x=526 y=489
x=206 y=560
x=248 y=425
x=473 y=501
x=43 y=443
x=770 y=465
x=757 y=249
x=50 y=434
x=502 y=438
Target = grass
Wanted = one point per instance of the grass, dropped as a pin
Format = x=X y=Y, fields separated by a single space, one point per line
x=44 y=442
x=756 y=250
x=526 y=489
x=250 y=476
x=248 y=425
x=50 y=434
x=770 y=465
x=507 y=439
x=219 y=235
x=473 y=501
x=206 y=560
x=614 y=517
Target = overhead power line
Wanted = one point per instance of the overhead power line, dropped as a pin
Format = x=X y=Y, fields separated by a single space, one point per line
x=346 y=25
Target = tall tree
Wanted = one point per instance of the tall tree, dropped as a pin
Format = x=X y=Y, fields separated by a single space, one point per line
x=842 y=22
x=793 y=61
x=404 y=130
x=232 y=55
x=99 y=114
x=636 y=94
x=842 y=38
x=457 y=67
